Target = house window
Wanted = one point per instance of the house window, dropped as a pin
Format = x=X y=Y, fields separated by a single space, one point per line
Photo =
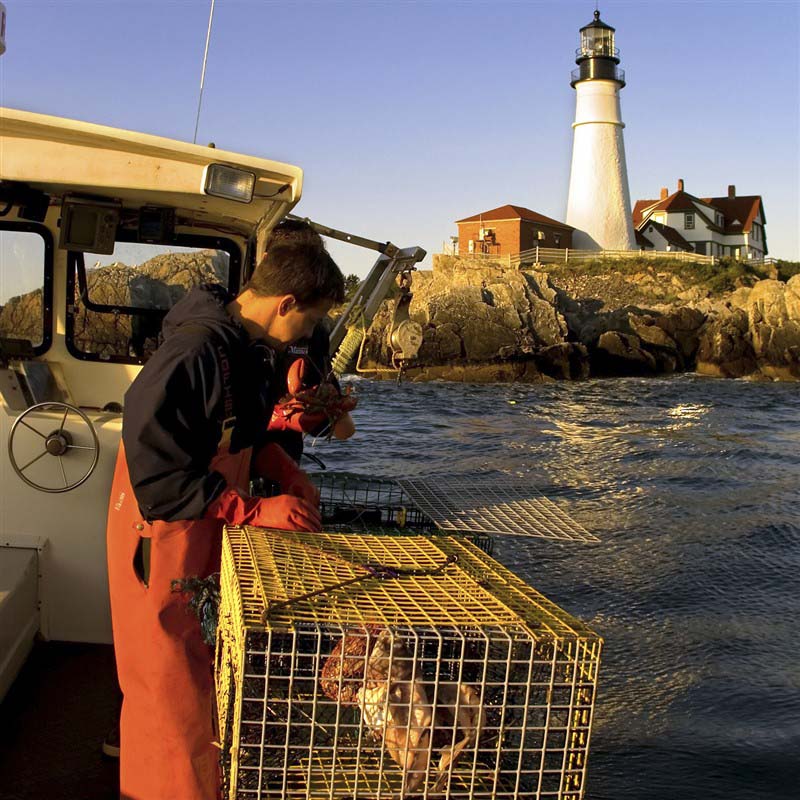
x=557 y=239
x=688 y=221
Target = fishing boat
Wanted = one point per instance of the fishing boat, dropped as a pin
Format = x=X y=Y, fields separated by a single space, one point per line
x=90 y=219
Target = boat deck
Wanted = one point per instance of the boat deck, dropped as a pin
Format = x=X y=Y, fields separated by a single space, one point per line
x=52 y=724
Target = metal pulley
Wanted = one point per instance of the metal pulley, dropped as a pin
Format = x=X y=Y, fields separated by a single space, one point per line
x=405 y=336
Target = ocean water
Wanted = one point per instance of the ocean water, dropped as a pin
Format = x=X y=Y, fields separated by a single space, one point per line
x=693 y=486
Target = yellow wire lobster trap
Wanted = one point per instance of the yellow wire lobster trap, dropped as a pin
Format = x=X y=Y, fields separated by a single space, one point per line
x=374 y=666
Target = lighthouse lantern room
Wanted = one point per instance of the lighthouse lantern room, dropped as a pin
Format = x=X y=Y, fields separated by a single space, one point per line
x=597 y=56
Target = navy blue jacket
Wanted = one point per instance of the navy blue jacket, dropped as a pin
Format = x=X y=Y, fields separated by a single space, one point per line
x=208 y=372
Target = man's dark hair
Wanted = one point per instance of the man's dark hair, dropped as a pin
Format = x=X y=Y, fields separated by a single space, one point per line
x=293 y=231
x=303 y=270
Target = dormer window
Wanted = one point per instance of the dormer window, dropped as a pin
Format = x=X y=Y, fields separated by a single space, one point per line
x=688 y=220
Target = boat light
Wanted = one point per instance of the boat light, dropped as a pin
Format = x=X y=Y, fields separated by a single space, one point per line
x=229 y=182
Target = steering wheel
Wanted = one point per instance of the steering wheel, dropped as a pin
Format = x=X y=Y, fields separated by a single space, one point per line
x=57 y=443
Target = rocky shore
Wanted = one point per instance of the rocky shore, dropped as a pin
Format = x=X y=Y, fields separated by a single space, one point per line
x=482 y=323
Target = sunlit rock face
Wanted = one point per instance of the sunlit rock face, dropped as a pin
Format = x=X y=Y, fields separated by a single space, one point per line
x=758 y=337
x=485 y=323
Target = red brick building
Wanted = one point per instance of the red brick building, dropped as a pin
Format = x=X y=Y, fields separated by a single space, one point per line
x=510 y=229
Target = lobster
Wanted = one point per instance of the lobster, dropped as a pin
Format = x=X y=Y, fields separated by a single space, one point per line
x=311 y=409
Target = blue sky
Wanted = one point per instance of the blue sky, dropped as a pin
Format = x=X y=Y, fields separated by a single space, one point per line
x=407 y=116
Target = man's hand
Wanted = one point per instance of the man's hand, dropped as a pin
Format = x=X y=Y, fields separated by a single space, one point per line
x=285 y=512
x=275 y=464
x=298 y=484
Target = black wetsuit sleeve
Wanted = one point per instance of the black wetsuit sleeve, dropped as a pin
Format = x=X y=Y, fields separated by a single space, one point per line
x=171 y=430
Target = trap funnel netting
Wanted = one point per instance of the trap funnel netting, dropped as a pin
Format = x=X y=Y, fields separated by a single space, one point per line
x=356 y=666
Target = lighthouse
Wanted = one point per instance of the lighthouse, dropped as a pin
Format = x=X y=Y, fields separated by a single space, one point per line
x=599 y=202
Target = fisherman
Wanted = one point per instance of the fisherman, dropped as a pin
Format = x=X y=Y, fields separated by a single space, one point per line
x=191 y=427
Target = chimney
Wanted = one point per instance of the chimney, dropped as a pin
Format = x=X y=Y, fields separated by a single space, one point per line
x=680 y=184
x=664 y=193
x=731 y=190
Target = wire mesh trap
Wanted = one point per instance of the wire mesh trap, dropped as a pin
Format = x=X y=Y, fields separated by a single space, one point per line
x=374 y=666
x=504 y=506
x=352 y=503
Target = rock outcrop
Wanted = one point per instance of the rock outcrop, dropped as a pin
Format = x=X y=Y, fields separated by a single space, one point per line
x=481 y=322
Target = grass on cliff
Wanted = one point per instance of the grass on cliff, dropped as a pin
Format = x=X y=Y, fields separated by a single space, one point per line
x=787 y=269
x=724 y=276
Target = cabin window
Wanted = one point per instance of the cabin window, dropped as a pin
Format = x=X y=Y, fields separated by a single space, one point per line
x=26 y=288
x=118 y=302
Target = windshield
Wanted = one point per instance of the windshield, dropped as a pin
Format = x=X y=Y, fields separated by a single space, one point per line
x=118 y=301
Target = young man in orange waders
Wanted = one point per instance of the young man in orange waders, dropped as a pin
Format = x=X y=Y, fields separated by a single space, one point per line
x=191 y=440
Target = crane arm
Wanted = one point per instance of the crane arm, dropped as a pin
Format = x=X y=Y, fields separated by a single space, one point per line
x=392 y=264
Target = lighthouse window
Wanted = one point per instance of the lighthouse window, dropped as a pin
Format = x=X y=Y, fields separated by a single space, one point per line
x=688 y=221
x=597 y=42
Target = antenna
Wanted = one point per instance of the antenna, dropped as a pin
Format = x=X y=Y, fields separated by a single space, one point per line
x=203 y=73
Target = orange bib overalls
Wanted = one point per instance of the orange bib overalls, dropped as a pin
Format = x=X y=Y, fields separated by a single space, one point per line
x=165 y=669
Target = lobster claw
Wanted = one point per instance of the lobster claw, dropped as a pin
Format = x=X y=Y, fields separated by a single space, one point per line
x=295 y=376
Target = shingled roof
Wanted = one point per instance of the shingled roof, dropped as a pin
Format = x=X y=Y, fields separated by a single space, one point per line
x=742 y=209
x=642 y=240
x=639 y=209
x=739 y=212
x=514 y=212
x=670 y=234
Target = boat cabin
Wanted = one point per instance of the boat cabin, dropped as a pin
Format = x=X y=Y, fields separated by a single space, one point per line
x=101 y=231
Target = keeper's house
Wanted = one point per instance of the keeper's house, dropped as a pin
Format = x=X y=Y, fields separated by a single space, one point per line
x=712 y=226
x=510 y=229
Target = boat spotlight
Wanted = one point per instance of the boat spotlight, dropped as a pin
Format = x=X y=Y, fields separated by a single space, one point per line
x=229 y=182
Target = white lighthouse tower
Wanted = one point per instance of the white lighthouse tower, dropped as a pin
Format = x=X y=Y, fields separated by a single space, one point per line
x=599 y=202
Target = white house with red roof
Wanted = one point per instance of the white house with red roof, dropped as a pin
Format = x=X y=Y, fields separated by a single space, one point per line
x=713 y=226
